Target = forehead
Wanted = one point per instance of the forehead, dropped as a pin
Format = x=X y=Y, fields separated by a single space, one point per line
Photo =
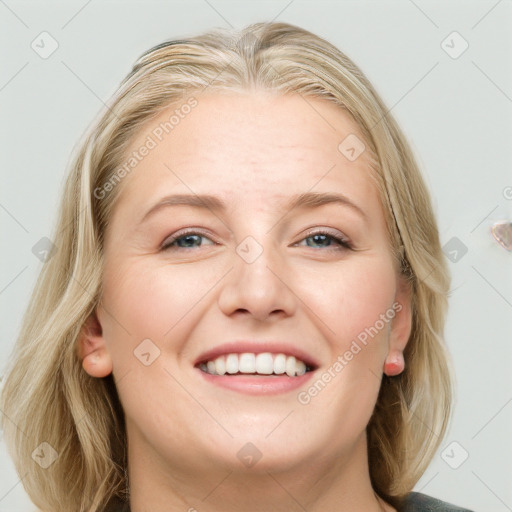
x=253 y=145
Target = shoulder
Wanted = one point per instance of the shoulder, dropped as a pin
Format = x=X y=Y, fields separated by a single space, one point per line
x=417 y=502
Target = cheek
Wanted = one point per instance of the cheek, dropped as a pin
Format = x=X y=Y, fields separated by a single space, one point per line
x=356 y=306
x=350 y=299
x=151 y=302
x=352 y=303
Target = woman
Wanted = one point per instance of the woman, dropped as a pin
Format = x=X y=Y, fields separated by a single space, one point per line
x=246 y=305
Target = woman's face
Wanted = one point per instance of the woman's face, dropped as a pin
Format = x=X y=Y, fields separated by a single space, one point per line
x=191 y=284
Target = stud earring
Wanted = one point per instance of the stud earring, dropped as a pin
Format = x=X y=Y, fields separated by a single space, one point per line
x=395 y=365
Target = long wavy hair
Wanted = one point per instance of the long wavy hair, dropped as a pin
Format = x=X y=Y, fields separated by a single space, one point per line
x=47 y=396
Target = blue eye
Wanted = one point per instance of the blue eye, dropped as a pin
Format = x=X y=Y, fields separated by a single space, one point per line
x=320 y=239
x=185 y=241
x=324 y=240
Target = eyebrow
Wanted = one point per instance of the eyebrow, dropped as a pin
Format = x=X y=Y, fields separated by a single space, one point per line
x=307 y=200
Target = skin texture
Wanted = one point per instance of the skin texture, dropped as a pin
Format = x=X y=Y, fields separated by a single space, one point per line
x=253 y=151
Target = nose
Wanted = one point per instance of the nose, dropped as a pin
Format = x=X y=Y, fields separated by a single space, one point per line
x=260 y=289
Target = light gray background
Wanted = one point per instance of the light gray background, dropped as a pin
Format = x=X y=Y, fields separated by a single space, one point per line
x=456 y=112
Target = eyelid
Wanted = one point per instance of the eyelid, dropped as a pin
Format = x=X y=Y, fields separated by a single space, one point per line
x=328 y=231
x=185 y=231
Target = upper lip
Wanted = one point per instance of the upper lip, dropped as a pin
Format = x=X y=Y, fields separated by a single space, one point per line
x=257 y=347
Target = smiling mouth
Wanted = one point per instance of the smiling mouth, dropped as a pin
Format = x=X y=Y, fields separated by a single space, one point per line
x=265 y=364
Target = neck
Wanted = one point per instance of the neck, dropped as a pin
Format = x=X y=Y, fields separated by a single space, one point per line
x=324 y=484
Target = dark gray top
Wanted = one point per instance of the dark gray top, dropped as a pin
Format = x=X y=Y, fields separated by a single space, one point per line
x=414 y=502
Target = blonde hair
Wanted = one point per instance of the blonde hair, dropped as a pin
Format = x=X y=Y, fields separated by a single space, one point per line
x=48 y=397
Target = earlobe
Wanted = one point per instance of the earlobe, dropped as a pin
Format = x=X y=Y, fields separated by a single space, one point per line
x=400 y=329
x=92 y=351
x=394 y=364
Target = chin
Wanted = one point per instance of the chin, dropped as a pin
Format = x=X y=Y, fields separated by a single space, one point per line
x=261 y=450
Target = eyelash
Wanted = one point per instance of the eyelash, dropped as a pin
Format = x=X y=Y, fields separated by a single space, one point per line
x=343 y=243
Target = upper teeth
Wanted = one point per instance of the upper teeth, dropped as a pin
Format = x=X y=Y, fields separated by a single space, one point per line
x=264 y=363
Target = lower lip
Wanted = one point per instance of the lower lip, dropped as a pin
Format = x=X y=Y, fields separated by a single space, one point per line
x=257 y=385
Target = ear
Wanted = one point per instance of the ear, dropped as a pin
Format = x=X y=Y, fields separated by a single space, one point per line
x=92 y=351
x=401 y=327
